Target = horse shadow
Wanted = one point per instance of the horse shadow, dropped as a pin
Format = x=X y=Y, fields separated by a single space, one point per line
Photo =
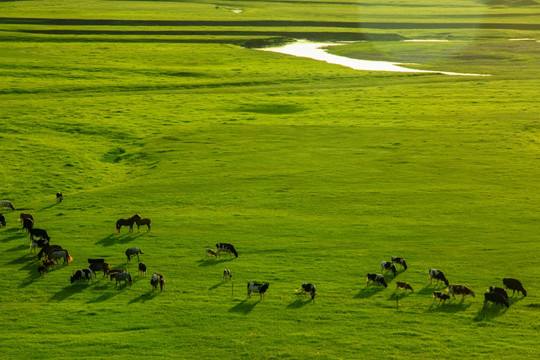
x=449 y=306
x=490 y=312
x=114 y=239
x=369 y=291
x=144 y=297
x=298 y=303
x=244 y=307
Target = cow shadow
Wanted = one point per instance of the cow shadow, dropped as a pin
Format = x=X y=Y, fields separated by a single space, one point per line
x=68 y=291
x=429 y=289
x=369 y=291
x=489 y=312
x=213 y=262
x=448 y=306
x=298 y=303
x=15 y=236
x=515 y=299
x=18 y=248
x=244 y=307
x=144 y=297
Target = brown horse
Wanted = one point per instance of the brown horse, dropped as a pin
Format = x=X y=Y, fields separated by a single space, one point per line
x=145 y=221
x=126 y=222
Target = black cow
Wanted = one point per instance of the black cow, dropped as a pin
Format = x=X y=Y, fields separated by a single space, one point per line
x=257 y=288
x=496 y=298
x=27 y=224
x=400 y=261
x=59 y=197
x=2 y=220
x=438 y=275
x=378 y=278
x=309 y=288
x=228 y=248
x=514 y=285
x=498 y=290
x=40 y=233
x=142 y=269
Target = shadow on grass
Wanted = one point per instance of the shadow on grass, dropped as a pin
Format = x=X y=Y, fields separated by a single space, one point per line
x=369 y=291
x=515 y=299
x=244 y=307
x=212 y=262
x=15 y=236
x=114 y=239
x=489 y=312
x=144 y=297
x=68 y=291
x=18 y=248
x=298 y=303
x=428 y=290
x=48 y=206
x=448 y=307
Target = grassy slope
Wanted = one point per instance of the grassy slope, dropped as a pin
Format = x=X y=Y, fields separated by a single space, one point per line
x=315 y=172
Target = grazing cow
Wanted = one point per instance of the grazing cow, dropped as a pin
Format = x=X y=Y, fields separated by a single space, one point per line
x=460 y=290
x=38 y=243
x=122 y=276
x=142 y=269
x=498 y=290
x=400 y=261
x=403 y=285
x=133 y=251
x=23 y=216
x=111 y=271
x=227 y=275
x=378 y=278
x=83 y=274
x=496 y=298
x=99 y=265
x=2 y=220
x=441 y=296
x=228 y=248
x=59 y=197
x=7 y=204
x=42 y=270
x=157 y=279
x=309 y=288
x=40 y=233
x=27 y=224
x=514 y=285
x=48 y=263
x=257 y=288
x=437 y=275
x=387 y=265
x=210 y=252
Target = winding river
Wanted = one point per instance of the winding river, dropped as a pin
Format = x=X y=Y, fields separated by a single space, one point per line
x=314 y=51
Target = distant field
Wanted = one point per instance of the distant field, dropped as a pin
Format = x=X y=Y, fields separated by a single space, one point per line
x=315 y=172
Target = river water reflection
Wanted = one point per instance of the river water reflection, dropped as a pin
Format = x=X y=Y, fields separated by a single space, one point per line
x=315 y=51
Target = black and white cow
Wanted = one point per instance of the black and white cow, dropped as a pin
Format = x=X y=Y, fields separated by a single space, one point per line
x=514 y=285
x=441 y=296
x=228 y=248
x=498 y=290
x=437 y=275
x=38 y=243
x=59 y=197
x=132 y=252
x=227 y=275
x=388 y=265
x=378 y=278
x=257 y=288
x=210 y=252
x=157 y=280
x=400 y=261
x=309 y=288
x=83 y=274
x=496 y=298
x=2 y=220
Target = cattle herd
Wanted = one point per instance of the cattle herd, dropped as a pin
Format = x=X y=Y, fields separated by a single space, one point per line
x=53 y=253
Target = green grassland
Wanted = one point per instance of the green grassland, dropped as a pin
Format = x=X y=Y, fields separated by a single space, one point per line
x=315 y=172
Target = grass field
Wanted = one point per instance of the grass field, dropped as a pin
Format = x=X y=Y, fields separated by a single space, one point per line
x=315 y=172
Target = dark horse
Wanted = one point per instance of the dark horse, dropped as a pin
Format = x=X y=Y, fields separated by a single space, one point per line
x=126 y=222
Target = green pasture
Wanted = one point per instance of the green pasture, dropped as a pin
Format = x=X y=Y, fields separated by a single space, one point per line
x=315 y=172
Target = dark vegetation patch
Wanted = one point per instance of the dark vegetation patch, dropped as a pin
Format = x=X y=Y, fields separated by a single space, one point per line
x=113 y=155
